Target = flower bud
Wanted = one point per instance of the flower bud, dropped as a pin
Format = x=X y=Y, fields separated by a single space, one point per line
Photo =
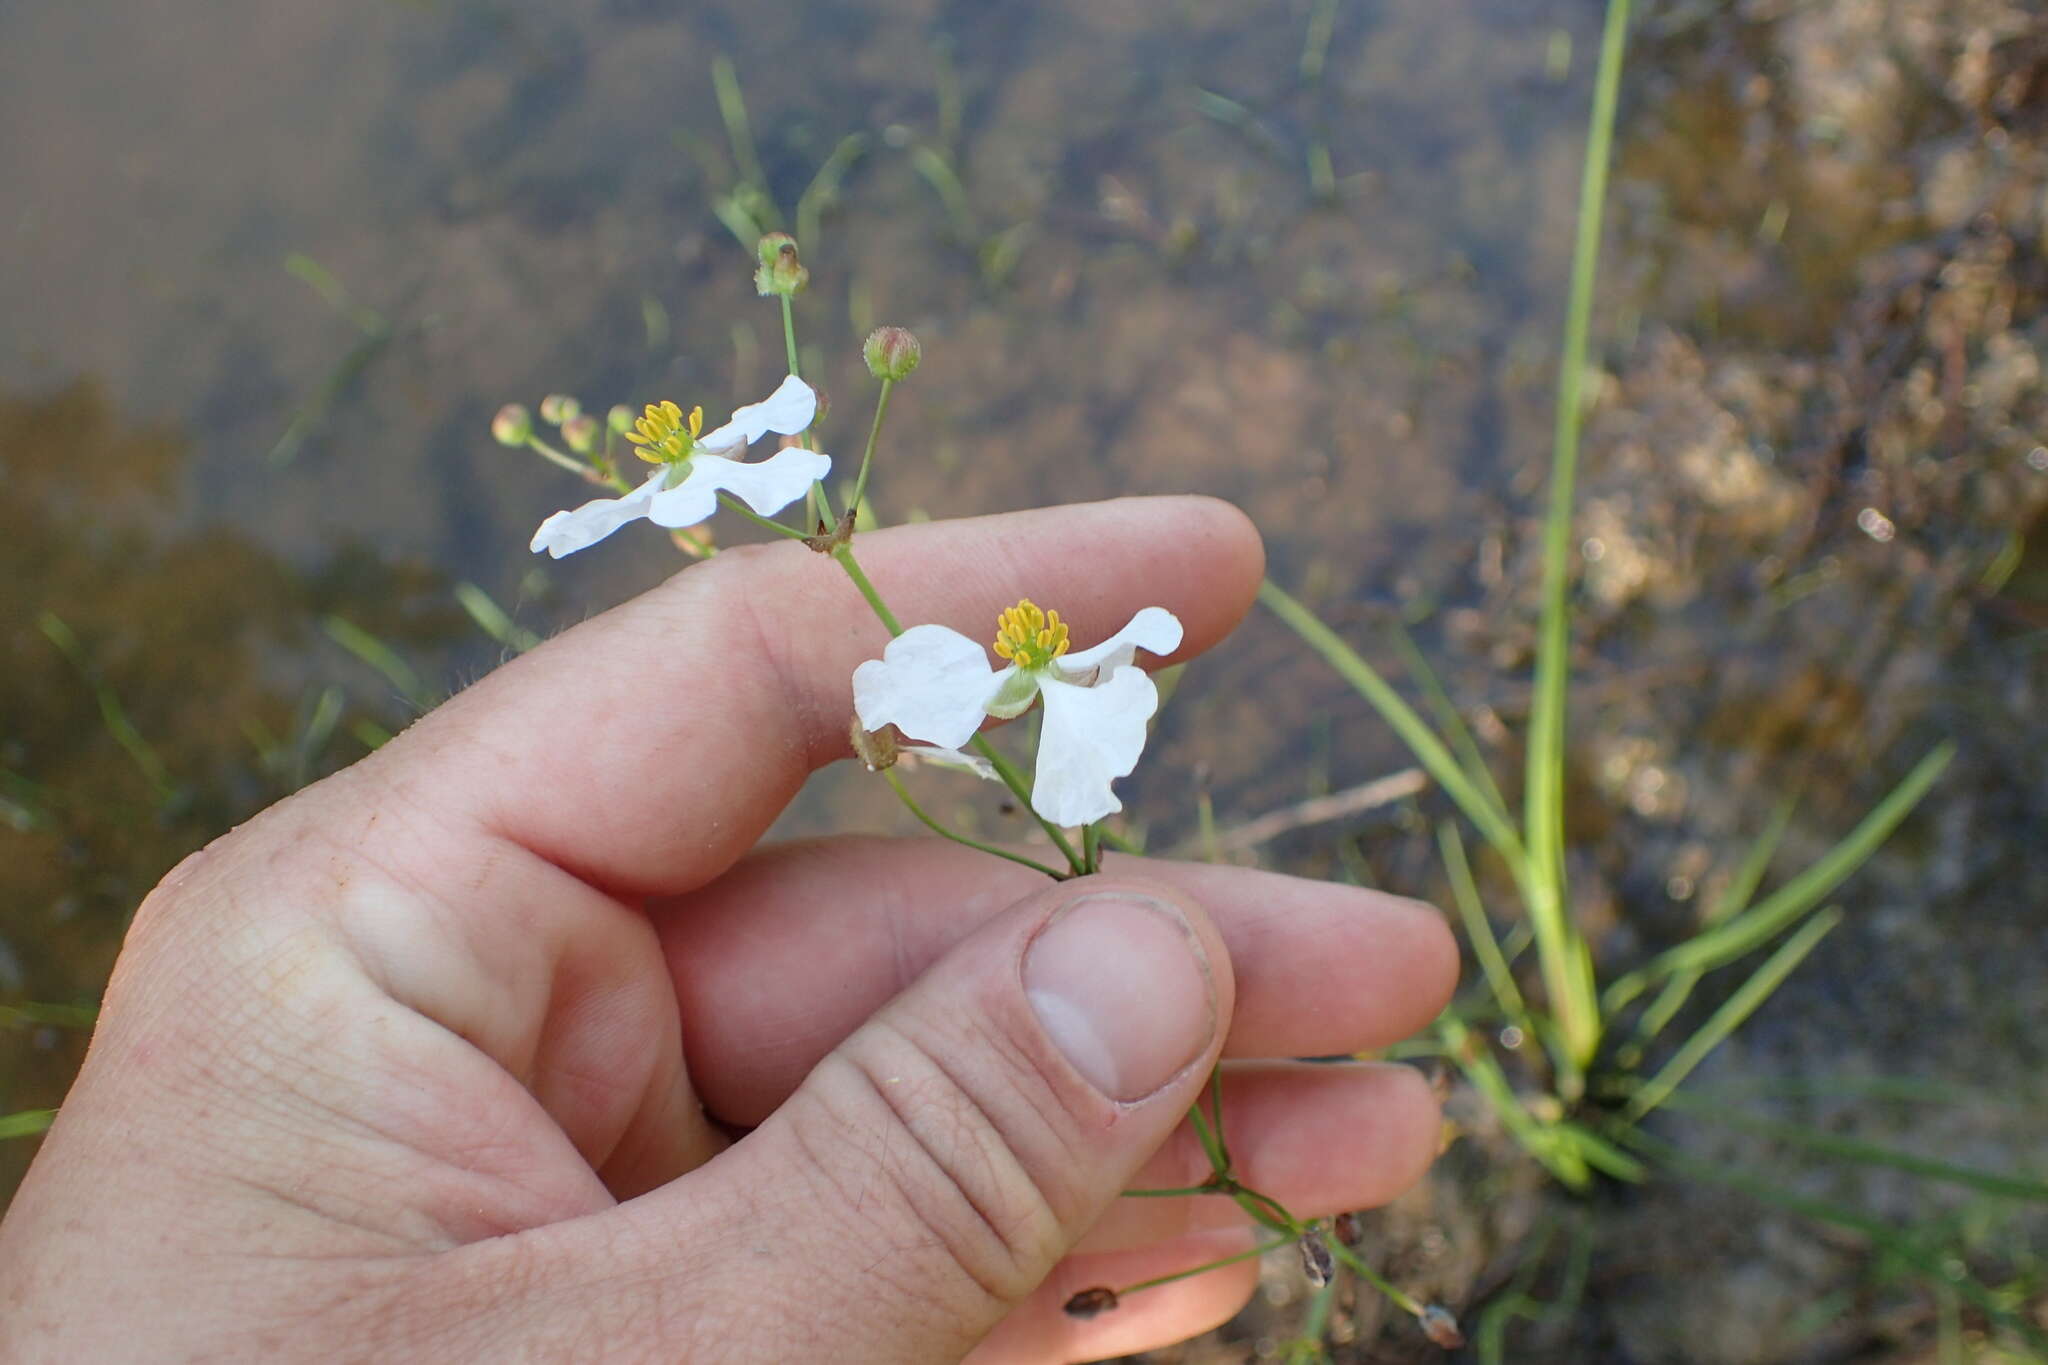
x=780 y=272
x=558 y=408
x=579 y=433
x=891 y=353
x=512 y=425
x=620 y=418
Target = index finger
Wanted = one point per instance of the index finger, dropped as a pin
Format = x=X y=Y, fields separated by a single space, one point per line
x=648 y=748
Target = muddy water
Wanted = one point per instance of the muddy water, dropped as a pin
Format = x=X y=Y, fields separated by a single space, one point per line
x=1199 y=246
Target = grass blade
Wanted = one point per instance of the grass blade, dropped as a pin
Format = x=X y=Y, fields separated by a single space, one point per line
x=112 y=714
x=1867 y=1153
x=381 y=657
x=1478 y=932
x=1567 y=963
x=493 y=619
x=739 y=132
x=1754 y=927
x=1732 y=1012
x=25 y=1122
x=1429 y=751
x=1454 y=727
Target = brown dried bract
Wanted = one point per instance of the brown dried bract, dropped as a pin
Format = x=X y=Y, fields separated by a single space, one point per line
x=875 y=748
x=1089 y=1302
x=831 y=538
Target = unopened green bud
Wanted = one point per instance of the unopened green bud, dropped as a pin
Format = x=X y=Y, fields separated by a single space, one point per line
x=781 y=272
x=579 y=433
x=558 y=408
x=512 y=425
x=620 y=418
x=891 y=353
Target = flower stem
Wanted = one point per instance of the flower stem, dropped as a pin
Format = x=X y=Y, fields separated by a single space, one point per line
x=935 y=827
x=553 y=456
x=1401 y=1299
x=1091 y=849
x=860 y=485
x=1203 y=1269
x=844 y=554
x=751 y=515
x=816 y=501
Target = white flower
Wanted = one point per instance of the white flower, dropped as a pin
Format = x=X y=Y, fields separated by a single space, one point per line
x=694 y=469
x=936 y=685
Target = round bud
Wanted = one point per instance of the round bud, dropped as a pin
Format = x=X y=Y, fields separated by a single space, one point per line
x=558 y=408
x=512 y=425
x=579 y=433
x=891 y=353
x=620 y=418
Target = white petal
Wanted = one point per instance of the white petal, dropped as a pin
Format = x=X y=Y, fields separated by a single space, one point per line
x=786 y=411
x=567 y=532
x=947 y=758
x=1092 y=736
x=1155 y=630
x=691 y=501
x=931 y=683
x=769 y=485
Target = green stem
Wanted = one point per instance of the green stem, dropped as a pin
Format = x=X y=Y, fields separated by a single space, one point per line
x=1091 y=849
x=1351 y=1259
x=1248 y=1255
x=1566 y=961
x=935 y=827
x=816 y=502
x=844 y=554
x=860 y=485
x=553 y=456
x=751 y=515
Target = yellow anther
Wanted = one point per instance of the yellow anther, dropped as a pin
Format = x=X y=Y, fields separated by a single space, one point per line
x=665 y=434
x=1028 y=637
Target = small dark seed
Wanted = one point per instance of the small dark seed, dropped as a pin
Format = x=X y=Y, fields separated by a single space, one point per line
x=1089 y=1302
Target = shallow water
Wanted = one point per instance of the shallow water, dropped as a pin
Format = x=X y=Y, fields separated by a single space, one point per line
x=1184 y=255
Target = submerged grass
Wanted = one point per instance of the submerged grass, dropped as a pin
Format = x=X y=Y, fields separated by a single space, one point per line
x=1587 y=1117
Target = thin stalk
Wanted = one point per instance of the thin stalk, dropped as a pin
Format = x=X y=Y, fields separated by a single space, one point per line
x=553 y=456
x=1454 y=727
x=1485 y=947
x=817 y=502
x=1091 y=849
x=751 y=515
x=1400 y=1298
x=860 y=485
x=903 y=793
x=1566 y=961
x=1248 y=1255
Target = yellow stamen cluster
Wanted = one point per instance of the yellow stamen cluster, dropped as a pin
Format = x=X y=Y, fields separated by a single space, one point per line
x=664 y=435
x=1028 y=637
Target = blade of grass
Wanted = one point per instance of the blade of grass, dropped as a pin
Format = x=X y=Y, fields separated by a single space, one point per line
x=1429 y=751
x=25 y=1122
x=112 y=714
x=823 y=191
x=1452 y=724
x=1567 y=963
x=1867 y=1153
x=381 y=657
x=493 y=619
x=1478 y=932
x=1731 y=902
x=739 y=132
x=1758 y=925
x=1738 y=1007
x=1932 y=1264
x=936 y=171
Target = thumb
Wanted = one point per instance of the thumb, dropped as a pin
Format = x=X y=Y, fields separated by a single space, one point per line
x=933 y=1169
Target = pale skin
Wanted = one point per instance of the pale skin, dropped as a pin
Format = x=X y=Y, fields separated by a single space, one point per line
x=509 y=1044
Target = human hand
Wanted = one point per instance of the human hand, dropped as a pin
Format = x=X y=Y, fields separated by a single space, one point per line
x=444 y=1057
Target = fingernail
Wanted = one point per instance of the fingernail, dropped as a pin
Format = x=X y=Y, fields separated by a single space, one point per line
x=1120 y=984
